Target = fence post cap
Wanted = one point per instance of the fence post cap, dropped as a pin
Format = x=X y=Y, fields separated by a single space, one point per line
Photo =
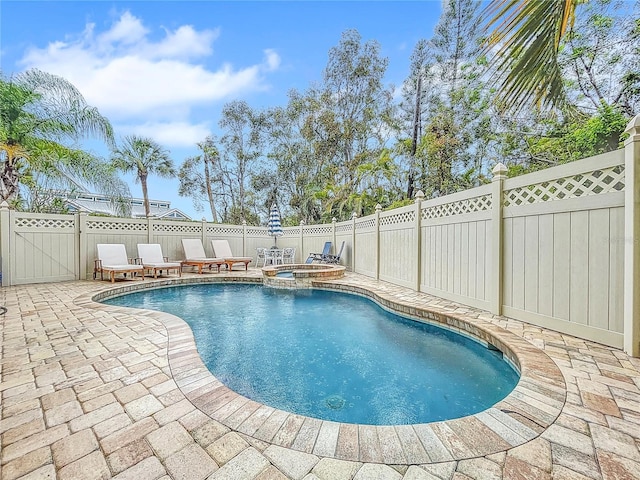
x=378 y=207
x=419 y=196
x=302 y=223
x=633 y=127
x=4 y=205
x=334 y=220
x=354 y=215
x=500 y=170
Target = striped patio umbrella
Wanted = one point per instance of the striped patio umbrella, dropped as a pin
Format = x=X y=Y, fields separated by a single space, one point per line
x=274 y=225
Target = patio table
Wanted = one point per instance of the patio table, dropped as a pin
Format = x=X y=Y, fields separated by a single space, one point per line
x=273 y=256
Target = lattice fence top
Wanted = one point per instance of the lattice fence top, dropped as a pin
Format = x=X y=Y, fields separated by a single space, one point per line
x=108 y=225
x=318 y=229
x=368 y=223
x=597 y=182
x=258 y=232
x=468 y=205
x=219 y=230
x=344 y=228
x=44 y=223
x=177 y=228
x=398 y=218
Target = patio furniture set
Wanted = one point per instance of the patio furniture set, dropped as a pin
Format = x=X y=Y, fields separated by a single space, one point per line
x=112 y=258
x=275 y=256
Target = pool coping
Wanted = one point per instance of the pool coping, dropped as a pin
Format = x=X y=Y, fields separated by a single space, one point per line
x=520 y=417
x=306 y=270
x=303 y=274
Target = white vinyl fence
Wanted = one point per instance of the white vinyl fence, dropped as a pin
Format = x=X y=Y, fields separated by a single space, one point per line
x=559 y=248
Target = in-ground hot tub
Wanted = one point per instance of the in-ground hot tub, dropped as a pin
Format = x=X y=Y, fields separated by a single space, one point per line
x=299 y=275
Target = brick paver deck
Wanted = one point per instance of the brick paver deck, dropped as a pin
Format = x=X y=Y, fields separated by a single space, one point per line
x=94 y=391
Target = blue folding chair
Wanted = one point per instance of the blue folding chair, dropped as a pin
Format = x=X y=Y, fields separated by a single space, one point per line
x=334 y=258
x=319 y=256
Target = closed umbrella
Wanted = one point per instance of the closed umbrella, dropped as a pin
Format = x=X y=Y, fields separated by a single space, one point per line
x=274 y=225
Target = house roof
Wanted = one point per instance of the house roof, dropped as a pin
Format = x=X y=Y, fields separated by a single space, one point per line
x=101 y=204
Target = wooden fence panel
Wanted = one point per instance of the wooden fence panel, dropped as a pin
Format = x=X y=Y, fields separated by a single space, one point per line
x=366 y=246
x=170 y=234
x=563 y=248
x=397 y=239
x=44 y=248
x=455 y=246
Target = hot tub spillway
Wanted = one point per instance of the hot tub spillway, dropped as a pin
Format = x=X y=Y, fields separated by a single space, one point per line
x=285 y=274
x=299 y=275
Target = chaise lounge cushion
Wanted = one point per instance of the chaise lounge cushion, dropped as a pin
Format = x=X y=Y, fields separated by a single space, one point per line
x=223 y=250
x=195 y=255
x=112 y=258
x=152 y=259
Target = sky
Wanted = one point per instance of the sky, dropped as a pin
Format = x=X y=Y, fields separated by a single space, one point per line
x=165 y=69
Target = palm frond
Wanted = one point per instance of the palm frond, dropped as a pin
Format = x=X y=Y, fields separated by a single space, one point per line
x=77 y=169
x=61 y=109
x=8 y=152
x=524 y=45
x=142 y=155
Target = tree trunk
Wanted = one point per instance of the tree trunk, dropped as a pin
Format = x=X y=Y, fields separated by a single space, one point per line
x=207 y=180
x=416 y=117
x=411 y=182
x=414 y=138
x=145 y=195
x=9 y=181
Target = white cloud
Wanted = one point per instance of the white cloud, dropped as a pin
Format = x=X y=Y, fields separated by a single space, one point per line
x=128 y=30
x=134 y=80
x=272 y=59
x=184 y=43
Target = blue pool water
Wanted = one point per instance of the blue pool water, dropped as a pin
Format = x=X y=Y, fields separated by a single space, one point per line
x=333 y=356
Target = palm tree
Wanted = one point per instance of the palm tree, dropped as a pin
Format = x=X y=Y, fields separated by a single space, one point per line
x=197 y=175
x=526 y=37
x=143 y=156
x=41 y=115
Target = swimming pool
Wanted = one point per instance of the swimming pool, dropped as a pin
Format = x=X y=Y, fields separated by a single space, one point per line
x=333 y=356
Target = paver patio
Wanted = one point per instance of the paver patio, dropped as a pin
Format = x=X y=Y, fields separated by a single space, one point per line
x=91 y=391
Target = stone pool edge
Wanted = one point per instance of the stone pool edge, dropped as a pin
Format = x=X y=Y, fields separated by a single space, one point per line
x=522 y=416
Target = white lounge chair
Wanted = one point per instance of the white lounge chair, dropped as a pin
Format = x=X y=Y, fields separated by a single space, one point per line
x=152 y=259
x=222 y=249
x=194 y=254
x=112 y=258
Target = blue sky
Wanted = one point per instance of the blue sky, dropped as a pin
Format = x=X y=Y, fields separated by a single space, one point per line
x=164 y=69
